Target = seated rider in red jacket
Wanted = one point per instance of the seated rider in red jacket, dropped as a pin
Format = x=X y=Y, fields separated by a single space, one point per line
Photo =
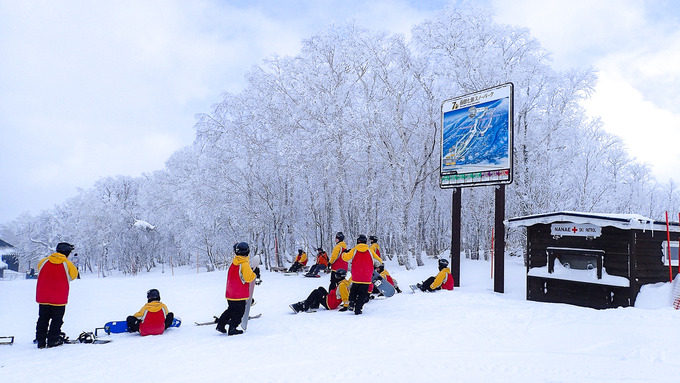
x=443 y=280
x=329 y=300
x=299 y=263
x=153 y=318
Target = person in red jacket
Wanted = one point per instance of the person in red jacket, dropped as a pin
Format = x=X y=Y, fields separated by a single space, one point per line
x=55 y=274
x=386 y=276
x=336 y=260
x=362 y=261
x=153 y=318
x=374 y=246
x=239 y=278
x=299 y=263
x=443 y=280
x=321 y=264
x=330 y=300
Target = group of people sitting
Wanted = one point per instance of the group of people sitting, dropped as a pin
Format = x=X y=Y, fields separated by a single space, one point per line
x=352 y=293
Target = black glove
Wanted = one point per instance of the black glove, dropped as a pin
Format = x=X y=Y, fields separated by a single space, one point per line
x=257 y=272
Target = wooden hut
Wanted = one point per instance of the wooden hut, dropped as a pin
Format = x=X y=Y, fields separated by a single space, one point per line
x=595 y=260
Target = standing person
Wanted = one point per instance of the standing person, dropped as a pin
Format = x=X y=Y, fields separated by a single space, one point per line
x=239 y=278
x=375 y=247
x=299 y=263
x=443 y=280
x=330 y=300
x=153 y=318
x=321 y=263
x=76 y=261
x=55 y=274
x=362 y=262
x=336 y=260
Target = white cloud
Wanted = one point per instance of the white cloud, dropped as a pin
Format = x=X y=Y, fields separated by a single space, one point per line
x=635 y=47
x=95 y=89
x=652 y=134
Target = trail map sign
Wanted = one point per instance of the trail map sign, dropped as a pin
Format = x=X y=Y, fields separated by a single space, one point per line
x=477 y=138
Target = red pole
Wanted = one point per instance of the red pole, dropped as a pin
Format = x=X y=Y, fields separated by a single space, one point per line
x=668 y=245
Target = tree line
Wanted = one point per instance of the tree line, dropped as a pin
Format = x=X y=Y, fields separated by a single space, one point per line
x=345 y=136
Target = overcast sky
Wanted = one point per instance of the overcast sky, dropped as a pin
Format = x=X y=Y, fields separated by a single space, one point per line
x=92 y=89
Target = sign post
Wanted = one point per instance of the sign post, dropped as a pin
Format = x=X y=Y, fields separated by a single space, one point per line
x=476 y=150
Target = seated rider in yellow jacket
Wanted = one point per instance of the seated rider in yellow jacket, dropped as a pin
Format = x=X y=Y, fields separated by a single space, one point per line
x=299 y=263
x=330 y=300
x=153 y=318
x=443 y=280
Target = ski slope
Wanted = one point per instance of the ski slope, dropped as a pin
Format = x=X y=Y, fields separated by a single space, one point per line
x=469 y=335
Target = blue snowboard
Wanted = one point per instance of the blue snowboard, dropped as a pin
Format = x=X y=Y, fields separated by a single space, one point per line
x=117 y=327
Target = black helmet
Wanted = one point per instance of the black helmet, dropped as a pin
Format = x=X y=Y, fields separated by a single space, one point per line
x=339 y=236
x=362 y=239
x=241 y=248
x=443 y=263
x=341 y=274
x=153 y=295
x=373 y=238
x=65 y=248
x=380 y=268
x=320 y=250
x=299 y=251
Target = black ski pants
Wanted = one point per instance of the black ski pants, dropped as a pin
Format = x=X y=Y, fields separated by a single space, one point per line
x=48 y=328
x=316 y=297
x=358 y=295
x=427 y=283
x=232 y=315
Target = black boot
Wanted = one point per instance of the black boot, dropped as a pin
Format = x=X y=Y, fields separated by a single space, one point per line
x=234 y=331
x=297 y=307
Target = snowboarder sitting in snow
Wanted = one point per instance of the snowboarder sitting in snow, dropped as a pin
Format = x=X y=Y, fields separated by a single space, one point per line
x=55 y=273
x=300 y=262
x=386 y=276
x=443 y=280
x=362 y=261
x=153 y=318
x=239 y=278
x=329 y=300
x=321 y=263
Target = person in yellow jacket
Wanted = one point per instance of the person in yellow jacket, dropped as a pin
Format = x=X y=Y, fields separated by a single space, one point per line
x=375 y=247
x=362 y=262
x=239 y=278
x=299 y=263
x=153 y=318
x=442 y=281
x=55 y=274
x=330 y=300
x=336 y=262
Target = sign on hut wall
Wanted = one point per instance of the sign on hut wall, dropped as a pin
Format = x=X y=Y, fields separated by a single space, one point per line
x=575 y=230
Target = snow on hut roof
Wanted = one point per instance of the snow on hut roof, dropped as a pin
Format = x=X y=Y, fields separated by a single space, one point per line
x=620 y=221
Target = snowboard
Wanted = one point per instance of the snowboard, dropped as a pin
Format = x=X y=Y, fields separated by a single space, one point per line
x=382 y=285
x=117 y=327
x=215 y=320
x=7 y=340
x=312 y=276
x=254 y=262
x=85 y=337
x=414 y=289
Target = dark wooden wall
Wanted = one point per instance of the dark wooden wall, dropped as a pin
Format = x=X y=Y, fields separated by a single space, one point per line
x=632 y=254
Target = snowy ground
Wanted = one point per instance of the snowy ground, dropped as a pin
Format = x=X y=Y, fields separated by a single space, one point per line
x=469 y=335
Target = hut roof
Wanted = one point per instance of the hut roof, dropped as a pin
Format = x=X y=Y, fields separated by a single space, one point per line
x=621 y=221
